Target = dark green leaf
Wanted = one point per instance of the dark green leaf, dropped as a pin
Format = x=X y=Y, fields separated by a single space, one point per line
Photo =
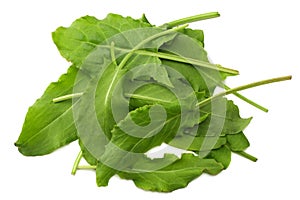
x=174 y=176
x=221 y=155
x=237 y=142
x=198 y=35
x=222 y=109
x=191 y=143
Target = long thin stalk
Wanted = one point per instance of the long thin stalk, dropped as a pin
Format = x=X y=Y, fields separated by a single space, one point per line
x=191 y=19
x=87 y=167
x=67 y=97
x=203 y=64
x=246 y=155
x=198 y=63
x=76 y=163
x=244 y=87
x=242 y=97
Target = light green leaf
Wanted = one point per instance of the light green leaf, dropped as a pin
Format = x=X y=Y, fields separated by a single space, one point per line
x=50 y=125
x=103 y=174
x=87 y=155
x=82 y=37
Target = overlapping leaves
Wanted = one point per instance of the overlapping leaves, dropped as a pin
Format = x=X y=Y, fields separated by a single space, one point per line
x=102 y=52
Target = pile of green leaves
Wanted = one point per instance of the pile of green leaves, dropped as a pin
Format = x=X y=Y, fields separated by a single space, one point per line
x=180 y=80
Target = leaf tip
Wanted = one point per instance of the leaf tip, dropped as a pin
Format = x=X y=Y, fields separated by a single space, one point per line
x=17 y=144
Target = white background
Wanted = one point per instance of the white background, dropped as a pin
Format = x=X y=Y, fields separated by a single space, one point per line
x=259 y=38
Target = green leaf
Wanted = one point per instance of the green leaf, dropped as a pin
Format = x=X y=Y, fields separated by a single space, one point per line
x=108 y=73
x=198 y=35
x=189 y=72
x=136 y=86
x=208 y=129
x=82 y=37
x=150 y=129
x=221 y=155
x=174 y=176
x=237 y=142
x=187 y=47
x=87 y=155
x=144 y=19
x=157 y=72
x=101 y=93
x=137 y=133
x=232 y=123
x=50 y=125
x=151 y=94
x=103 y=174
x=192 y=143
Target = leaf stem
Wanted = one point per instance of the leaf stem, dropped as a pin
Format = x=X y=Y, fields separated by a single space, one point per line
x=198 y=63
x=76 y=163
x=191 y=19
x=67 y=97
x=245 y=155
x=195 y=62
x=244 y=87
x=87 y=167
x=242 y=97
x=112 y=53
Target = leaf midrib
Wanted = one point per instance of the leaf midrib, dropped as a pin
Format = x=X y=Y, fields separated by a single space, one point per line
x=168 y=171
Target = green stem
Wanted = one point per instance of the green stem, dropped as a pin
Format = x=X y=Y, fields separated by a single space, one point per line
x=112 y=53
x=246 y=155
x=191 y=19
x=243 y=87
x=200 y=63
x=147 y=98
x=87 y=167
x=195 y=62
x=67 y=97
x=166 y=32
x=247 y=100
x=76 y=163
